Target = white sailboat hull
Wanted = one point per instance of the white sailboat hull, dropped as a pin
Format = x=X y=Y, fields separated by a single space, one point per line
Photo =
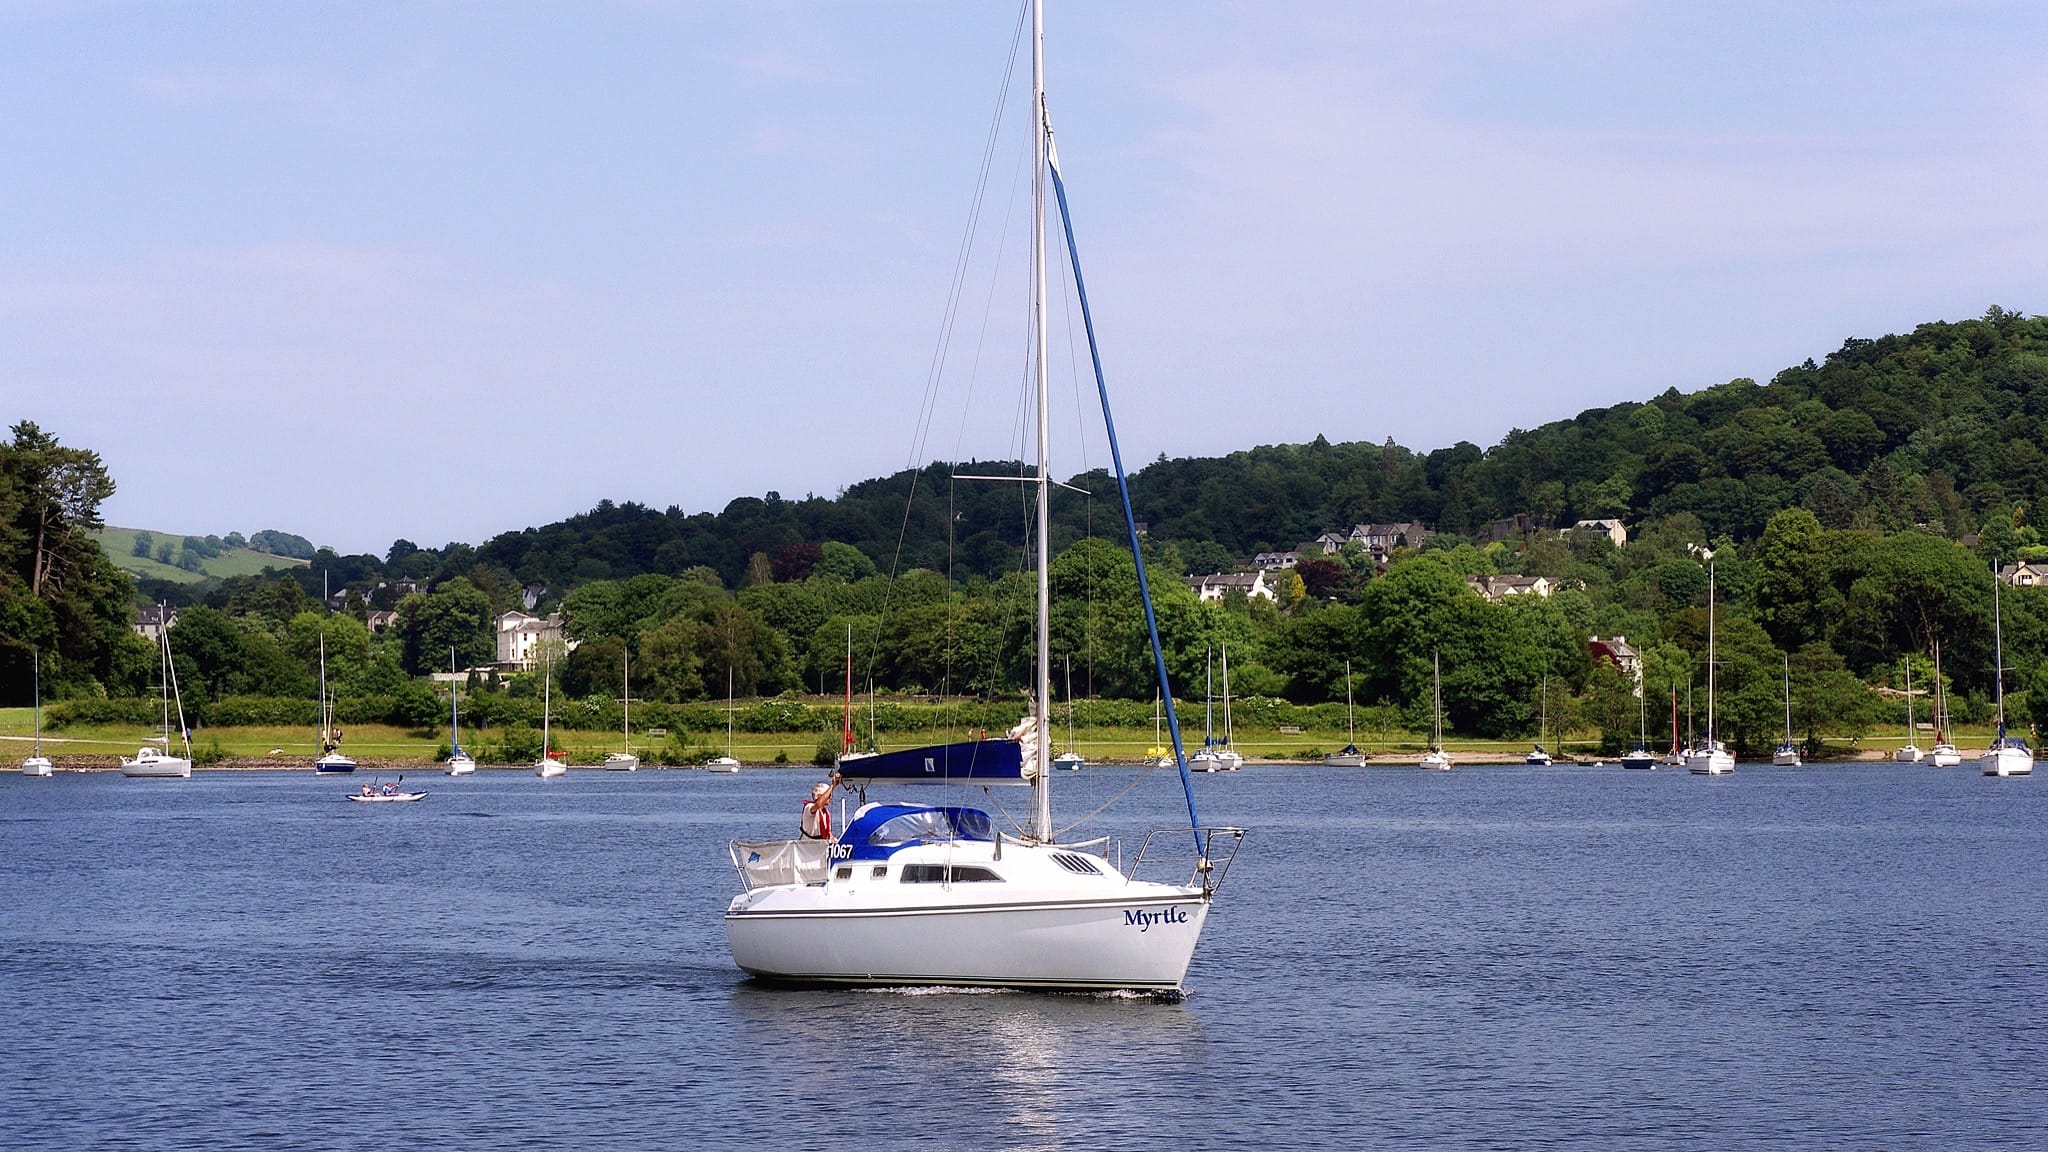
x=550 y=768
x=1945 y=756
x=1639 y=759
x=1215 y=760
x=2007 y=762
x=461 y=766
x=725 y=764
x=149 y=765
x=1069 y=762
x=621 y=762
x=1344 y=760
x=1910 y=754
x=1710 y=762
x=37 y=766
x=1142 y=941
x=1435 y=761
x=1784 y=759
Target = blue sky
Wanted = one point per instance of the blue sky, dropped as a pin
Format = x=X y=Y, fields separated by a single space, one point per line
x=443 y=270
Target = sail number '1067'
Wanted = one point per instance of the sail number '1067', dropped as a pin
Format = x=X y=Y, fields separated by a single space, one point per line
x=1143 y=920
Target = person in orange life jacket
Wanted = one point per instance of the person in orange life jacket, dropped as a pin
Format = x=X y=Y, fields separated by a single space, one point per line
x=817 y=818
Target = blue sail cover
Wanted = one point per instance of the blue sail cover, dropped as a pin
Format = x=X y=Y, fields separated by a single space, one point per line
x=968 y=762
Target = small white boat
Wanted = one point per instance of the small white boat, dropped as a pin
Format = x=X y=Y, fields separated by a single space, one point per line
x=624 y=761
x=1436 y=759
x=1215 y=756
x=331 y=761
x=1069 y=761
x=727 y=763
x=1909 y=752
x=1710 y=757
x=549 y=765
x=2008 y=754
x=386 y=797
x=1640 y=756
x=460 y=763
x=38 y=764
x=1786 y=754
x=1537 y=756
x=149 y=762
x=1944 y=754
x=152 y=764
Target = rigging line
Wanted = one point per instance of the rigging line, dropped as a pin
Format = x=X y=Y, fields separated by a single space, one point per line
x=1148 y=768
x=989 y=305
x=1081 y=438
x=929 y=402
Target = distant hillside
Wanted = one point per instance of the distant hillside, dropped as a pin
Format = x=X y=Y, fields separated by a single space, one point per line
x=226 y=559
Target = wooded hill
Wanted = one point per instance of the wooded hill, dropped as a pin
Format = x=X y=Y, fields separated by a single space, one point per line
x=1933 y=429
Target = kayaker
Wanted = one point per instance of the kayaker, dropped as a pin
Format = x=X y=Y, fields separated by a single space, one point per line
x=817 y=818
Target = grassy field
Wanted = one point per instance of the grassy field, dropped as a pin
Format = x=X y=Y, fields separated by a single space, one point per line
x=399 y=745
x=119 y=545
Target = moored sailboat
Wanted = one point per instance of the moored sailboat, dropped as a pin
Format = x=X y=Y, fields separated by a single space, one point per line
x=1436 y=759
x=727 y=763
x=936 y=893
x=1215 y=755
x=1944 y=754
x=2008 y=754
x=331 y=761
x=1641 y=756
x=1710 y=758
x=38 y=764
x=1348 y=756
x=549 y=765
x=460 y=763
x=624 y=760
x=1070 y=758
x=151 y=762
x=1538 y=756
x=1909 y=752
x=1786 y=755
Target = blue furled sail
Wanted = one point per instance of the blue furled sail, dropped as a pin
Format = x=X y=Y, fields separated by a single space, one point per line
x=968 y=762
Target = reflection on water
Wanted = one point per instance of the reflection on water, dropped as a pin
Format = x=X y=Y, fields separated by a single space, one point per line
x=1832 y=956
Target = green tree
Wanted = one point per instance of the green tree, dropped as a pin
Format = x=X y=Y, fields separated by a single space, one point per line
x=455 y=615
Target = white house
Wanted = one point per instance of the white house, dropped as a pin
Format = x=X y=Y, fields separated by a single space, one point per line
x=2026 y=574
x=154 y=620
x=1502 y=587
x=1380 y=539
x=520 y=636
x=1211 y=588
x=1617 y=651
x=1275 y=561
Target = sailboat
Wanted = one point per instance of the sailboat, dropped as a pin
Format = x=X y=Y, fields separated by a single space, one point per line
x=38 y=764
x=2008 y=755
x=149 y=762
x=1711 y=757
x=1641 y=756
x=331 y=761
x=624 y=761
x=1538 y=756
x=1348 y=756
x=1436 y=759
x=1909 y=752
x=1215 y=755
x=726 y=763
x=1677 y=757
x=1944 y=754
x=1071 y=759
x=460 y=763
x=937 y=894
x=549 y=765
x=1786 y=755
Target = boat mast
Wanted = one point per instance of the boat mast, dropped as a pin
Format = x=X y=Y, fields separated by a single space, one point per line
x=547 y=703
x=1909 y=699
x=1788 y=697
x=1226 y=695
x=728 y=711
x=1350 y=726
x=1998 y=649
x=37 y=656
x=1436 y=701
x=1040 y=126
x=454 y=717
x=626 y=697
x=1710 y=650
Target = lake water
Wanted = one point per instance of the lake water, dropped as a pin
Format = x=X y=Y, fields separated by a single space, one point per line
x=1838 y=956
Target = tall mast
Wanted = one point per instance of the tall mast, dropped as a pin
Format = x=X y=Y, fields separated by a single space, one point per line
x=1042 y=785
x=1710 y=651
x=1998 y=648
x=454 y=717
x=626 y=696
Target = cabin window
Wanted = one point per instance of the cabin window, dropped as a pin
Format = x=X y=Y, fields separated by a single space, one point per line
x=938 y=874
x=844 y=873
x=880 y=870
x=1079 y=865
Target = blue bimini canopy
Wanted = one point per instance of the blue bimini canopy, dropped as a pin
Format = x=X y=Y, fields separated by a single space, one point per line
x=969 y=762
x=885 y=829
